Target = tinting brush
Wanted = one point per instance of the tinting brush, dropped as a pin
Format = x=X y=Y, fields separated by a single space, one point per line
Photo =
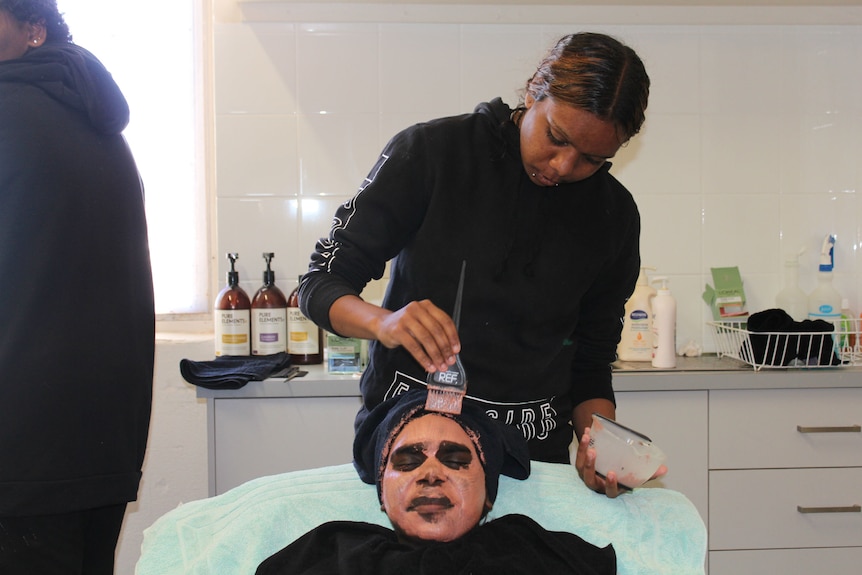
x=446 y=389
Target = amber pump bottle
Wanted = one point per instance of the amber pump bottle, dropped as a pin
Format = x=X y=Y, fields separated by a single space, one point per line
x=232 y=316
x=268 y=315
x=304 y=338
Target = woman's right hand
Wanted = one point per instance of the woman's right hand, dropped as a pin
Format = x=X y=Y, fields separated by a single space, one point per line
x=425 y=331
x=420 y=327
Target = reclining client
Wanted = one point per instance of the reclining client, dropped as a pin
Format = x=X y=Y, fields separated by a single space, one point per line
x=437 y=476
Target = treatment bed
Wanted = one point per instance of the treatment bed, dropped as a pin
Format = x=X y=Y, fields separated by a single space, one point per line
x=654 y=531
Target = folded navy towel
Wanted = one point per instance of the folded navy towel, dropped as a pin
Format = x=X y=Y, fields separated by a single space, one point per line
x=232 y=371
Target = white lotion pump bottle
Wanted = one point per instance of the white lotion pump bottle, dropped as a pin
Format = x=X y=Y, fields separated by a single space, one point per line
x=636 y=338
x=664 y=326
x=792 y=299
x=825 y=301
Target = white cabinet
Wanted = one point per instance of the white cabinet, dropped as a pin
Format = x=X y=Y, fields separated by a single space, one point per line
x=785 y=474
x=264 y=436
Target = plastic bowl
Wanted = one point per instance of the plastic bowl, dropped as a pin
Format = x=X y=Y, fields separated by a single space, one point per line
x=629 y=454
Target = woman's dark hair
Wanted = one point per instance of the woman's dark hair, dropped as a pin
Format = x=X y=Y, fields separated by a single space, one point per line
x=596 y=73
x=40 y=12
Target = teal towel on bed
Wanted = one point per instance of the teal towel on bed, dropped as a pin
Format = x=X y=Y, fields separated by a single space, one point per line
x=654 y=531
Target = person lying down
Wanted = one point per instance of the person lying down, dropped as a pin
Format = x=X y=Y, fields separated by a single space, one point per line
x=437 y=477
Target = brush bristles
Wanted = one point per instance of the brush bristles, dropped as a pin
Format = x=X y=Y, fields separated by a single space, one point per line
x=444 y=400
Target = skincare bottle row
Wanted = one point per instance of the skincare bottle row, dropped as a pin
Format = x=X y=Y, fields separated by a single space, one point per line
x=267 y=324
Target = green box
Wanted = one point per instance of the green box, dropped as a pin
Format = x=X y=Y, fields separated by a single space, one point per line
x=727 y=298
x=345 y=354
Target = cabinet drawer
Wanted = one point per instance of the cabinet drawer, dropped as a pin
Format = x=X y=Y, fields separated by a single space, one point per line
x=759 y=509
x=785 y=428
x=842 y=561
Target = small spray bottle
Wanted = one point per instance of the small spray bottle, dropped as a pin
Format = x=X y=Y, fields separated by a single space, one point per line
x=825 y=301
x=792 y=299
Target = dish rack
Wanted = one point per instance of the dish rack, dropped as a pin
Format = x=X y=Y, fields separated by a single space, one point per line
x=838 y=348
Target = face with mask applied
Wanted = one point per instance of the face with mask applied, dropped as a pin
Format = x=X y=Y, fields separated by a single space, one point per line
x=433 y=485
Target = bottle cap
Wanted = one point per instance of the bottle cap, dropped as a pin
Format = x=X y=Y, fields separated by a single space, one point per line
x=232 y=275
x=268 y=274
x=642 y=276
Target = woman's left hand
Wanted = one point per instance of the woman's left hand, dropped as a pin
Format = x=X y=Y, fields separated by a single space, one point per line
x=585 y=463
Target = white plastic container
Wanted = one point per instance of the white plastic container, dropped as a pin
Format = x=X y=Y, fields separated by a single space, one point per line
x=664 y=326
x=636 y=338
x=825 y=301
x=632 y=456
x=791 y=298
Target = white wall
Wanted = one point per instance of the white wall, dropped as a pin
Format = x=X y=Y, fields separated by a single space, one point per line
x=751 y=149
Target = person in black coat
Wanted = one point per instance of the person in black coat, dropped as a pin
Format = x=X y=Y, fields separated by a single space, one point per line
x=76 y=301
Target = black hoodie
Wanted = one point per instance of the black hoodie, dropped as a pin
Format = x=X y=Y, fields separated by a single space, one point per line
x=548 y=269
x=76 y=300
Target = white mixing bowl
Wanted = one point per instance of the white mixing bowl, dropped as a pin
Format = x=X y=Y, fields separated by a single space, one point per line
x=629 y=454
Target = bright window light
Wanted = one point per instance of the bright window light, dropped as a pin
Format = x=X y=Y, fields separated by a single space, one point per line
x=149 y=48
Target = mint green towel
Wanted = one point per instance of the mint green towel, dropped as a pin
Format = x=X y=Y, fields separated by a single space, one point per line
x=652 y=530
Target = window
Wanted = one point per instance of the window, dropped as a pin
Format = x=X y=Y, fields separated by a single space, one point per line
x=150 y=49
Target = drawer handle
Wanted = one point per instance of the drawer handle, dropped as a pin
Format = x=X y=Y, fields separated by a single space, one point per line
x=835 y=429
x=847 y=509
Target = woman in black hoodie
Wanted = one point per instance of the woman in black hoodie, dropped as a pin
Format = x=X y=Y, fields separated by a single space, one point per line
x=550 y=238
x=77 y=336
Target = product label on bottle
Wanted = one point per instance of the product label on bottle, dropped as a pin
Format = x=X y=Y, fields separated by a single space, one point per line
x=302 y=336
x=232 y=332
x=825 y=312
x=638 y=314
x=269 y=331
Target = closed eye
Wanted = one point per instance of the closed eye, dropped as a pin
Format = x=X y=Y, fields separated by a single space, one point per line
x=408 y=458
x=554 y=140
x=455 y=455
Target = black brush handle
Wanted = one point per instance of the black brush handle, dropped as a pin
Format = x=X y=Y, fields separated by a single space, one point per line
x=456 y=315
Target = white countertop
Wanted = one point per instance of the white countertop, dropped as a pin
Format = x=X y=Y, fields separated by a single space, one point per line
x=700 y=373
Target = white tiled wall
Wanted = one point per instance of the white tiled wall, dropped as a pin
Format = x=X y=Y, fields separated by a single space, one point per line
x=751 y=149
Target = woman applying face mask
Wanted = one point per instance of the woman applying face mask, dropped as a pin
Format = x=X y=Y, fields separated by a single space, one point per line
x=525 y=196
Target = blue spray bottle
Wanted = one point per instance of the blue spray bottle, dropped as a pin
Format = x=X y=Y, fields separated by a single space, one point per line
x=825 y=301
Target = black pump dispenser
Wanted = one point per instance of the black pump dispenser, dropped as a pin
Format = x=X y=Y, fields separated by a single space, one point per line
x=232 y=275
x=268 y=274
